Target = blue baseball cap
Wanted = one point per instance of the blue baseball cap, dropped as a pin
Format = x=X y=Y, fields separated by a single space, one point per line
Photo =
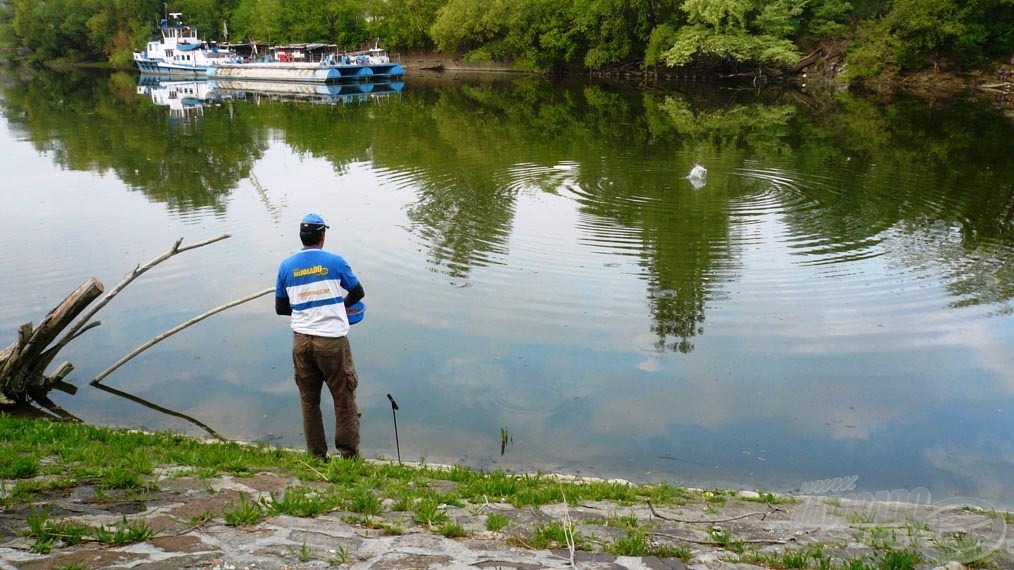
x=312 y=223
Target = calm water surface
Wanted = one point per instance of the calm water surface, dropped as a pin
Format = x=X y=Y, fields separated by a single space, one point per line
x=836 y=299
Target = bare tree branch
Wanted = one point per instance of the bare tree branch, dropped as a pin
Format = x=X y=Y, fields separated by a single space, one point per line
x=762 y=514
x=79 y=326
x=177 y=329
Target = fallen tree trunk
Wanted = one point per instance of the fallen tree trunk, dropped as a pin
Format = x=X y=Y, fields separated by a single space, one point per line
x=24 y=362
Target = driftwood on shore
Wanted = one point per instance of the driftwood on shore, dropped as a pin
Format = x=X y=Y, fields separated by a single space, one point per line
x=24 y=362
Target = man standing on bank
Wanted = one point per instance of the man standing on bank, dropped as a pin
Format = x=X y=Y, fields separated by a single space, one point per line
x=315 y=287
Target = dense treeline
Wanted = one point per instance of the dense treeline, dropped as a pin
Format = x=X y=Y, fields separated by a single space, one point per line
x=883 y=36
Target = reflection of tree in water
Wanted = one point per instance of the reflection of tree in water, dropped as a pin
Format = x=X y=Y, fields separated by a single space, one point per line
x=684 y=244
x=89 y=124
x=466 y=224
x=457 y=155
x=935 y=185
x=467 y=175
x=460 y=148
x=692 y=251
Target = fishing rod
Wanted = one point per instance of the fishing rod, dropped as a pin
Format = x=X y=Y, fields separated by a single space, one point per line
x=393 y=412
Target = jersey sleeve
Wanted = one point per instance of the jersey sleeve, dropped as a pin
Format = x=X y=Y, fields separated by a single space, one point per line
x=280 y=291
x=348 y=279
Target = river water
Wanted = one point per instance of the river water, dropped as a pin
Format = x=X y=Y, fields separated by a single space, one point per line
x=546 y=288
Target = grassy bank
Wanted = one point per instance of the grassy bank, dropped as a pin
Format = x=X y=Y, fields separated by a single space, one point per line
x=50 y=473
x=39 y=456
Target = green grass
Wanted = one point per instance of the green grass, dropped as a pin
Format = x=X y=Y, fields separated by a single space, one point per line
x=14 y=466
x=121 y=477
x=496 y=522
x=556 y=534
x=125 y=460
x=859 y=518
x=623 y=521
x=769 y=499
x=124 y=532
x=340 y=556
x=634 y=543
x=41 y=460
x=814 y=558
x=451 y=529
x=429 y=513
x=638 y=542
x=301 y=502
x=198 y=520
x=363 y=501
x=49 y=533
x=724 y=539
x=899 y=560
x=243 y=512
x=304 y=554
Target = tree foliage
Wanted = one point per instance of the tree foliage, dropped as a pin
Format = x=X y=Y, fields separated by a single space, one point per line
x=616 y=31
x=737 y=30
x=887 y=36
x=406 y=23
x=917 y=34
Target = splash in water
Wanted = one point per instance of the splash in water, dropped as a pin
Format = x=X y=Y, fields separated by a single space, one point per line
x=698 y=176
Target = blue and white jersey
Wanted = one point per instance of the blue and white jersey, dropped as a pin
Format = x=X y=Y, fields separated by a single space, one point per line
x=315 y=282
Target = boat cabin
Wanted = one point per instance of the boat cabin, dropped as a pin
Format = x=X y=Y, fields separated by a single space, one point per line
x=303 y=53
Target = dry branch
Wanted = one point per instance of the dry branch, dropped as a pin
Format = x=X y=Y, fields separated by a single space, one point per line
x=175 y=330
x=762 y=514
x=715 y=542
x=23 y=364
x=82 y=323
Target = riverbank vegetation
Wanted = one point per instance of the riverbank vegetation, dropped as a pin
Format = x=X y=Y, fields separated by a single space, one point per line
x=871 y=39
x=46 y=466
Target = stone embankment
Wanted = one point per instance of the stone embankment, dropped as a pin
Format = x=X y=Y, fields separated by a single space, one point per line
x=713 y=530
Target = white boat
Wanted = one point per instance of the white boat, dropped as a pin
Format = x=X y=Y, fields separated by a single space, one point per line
x=187 y=98
x=315 y=63
x=180 y=51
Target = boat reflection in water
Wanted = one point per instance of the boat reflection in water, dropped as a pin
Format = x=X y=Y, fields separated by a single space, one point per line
x=186 y=99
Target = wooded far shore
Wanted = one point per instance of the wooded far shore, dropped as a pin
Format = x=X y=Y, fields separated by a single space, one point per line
x=871 y=42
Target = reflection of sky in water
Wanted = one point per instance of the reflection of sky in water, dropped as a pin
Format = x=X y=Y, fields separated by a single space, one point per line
x=803 y=373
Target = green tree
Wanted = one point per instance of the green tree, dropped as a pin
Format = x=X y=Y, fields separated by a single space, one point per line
x=206 y=15
x=406 y=23
x=539 y=34
x=54 y=30
x=471 y=26
x=824 y=19
x=662 y=38
x=923 y=29
x=533 y=34
x=258 y=20
x=616 y=30
x=342 y=22
x=915 y=34
x=739 y=31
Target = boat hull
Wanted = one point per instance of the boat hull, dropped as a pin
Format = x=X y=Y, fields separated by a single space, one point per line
x=159 y=67
x=301 y=72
